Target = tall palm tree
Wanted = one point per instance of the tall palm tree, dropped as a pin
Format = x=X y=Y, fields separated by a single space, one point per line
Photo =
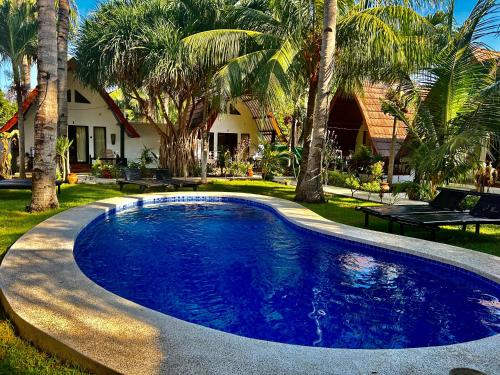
x=458 y=101
x=311 y=188
x=62 y=65
x=44 y=168
x=17 y=41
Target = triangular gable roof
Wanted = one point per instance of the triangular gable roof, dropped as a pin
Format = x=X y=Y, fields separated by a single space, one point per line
x=378 y=123
x=28 y=102
x=26 y=106
x=266 y=122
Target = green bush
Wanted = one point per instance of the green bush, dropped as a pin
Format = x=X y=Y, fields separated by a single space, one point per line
x=415 y=191
x=371 y=187
x=352 y=182
x=337 y=178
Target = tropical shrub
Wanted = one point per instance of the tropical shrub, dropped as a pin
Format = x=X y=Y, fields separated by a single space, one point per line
x=62 y=151
x=363 y=159
x=337 y=178
x=352 y=182
x=6 y=140
x=371 y=187
x=457 y=102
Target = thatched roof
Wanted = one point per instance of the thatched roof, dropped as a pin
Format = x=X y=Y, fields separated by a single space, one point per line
x=379 y=124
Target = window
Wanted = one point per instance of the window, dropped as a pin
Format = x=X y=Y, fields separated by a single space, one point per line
x=99 y=142
x=233 y=110
x=79 y=98
x=68 y=96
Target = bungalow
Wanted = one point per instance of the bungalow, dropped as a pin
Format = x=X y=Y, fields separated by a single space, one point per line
x=99 y=129
x=359 y=120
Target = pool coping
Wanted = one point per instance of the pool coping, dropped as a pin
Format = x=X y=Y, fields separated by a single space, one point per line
x=54 y=305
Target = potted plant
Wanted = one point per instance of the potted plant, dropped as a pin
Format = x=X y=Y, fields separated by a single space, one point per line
x=250 y=171
x=72 y=178
x=133 y=171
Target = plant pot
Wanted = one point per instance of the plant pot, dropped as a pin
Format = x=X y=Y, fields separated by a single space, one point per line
x=72 y=178
x=385 y=187
x=132 y=174
x=250 y=172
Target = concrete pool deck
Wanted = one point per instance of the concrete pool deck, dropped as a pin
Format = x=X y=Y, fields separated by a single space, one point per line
x=54 y=305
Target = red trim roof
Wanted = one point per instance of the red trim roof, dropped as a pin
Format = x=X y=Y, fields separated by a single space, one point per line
x=131 y=132
x=26 y=106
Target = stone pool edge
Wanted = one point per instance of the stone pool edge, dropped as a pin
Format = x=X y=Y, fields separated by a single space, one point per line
x=57 y=307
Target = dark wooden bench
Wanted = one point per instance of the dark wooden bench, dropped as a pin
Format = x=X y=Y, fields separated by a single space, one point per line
x=23 y=184
x=447 y=200
x=486 y=211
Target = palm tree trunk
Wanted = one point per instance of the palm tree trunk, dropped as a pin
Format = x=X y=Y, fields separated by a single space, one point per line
x=20 y=119
x=311 y=188
x=306 y=132
x=204 y=153
x=44 y=170
x=26 y=74
x=392 y=156
x=62 y=67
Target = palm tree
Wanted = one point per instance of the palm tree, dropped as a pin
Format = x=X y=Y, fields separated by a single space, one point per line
x=44 y=169
x=17 y=41
x=278 y=41
x=138 y=46
x=311 y=187
x=457 y=98
x=62 y=66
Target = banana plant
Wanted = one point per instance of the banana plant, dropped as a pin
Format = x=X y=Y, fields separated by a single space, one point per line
x=6 y=140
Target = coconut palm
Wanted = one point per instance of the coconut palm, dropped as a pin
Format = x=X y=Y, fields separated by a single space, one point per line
x=44 y=168
x=62 y=65
x=17 y=42
x=138 y=45
x=458 y=102
x=278 y=41
x=311 y=187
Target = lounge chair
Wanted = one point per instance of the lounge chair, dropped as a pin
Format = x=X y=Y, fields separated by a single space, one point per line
x=447 y=200
x=22 y=184
x=486 y=211
x=162 y=180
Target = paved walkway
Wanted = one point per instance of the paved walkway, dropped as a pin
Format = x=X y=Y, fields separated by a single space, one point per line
x=363 y=195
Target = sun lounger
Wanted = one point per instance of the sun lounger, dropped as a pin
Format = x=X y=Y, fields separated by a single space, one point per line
x=447 y=200
x=162 y=180
x=486 y=211
x=22 y=184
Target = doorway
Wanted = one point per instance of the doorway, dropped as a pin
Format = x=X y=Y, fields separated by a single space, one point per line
x=227 y=141
x=79 y=149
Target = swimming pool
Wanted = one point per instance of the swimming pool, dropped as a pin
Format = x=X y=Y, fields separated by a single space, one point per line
x=238 y=267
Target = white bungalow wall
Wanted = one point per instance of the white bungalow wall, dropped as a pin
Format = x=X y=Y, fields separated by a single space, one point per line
x=98 y=114
x=244 y=123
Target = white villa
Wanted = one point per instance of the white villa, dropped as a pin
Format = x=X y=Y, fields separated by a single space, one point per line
x=99 y=129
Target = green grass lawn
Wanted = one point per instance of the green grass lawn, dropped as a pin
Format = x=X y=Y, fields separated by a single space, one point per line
x=18 y=357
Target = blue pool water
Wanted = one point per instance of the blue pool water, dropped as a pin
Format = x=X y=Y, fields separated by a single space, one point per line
x=242 y=269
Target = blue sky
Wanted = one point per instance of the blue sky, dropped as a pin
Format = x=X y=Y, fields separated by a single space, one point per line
x=462 y=10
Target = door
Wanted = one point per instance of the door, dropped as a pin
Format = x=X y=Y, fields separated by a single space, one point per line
x=99 y=142
x=79 y=149
x=227 y=141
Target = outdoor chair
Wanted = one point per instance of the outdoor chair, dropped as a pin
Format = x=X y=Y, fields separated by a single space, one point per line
x=162 y=180
x=22 y=184
x=486 y=211
x=447 y=200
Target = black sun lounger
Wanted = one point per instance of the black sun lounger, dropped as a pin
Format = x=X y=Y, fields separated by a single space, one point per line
x=162 y=180
x=23 y=184
x=446 y=200
x=486 y=211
